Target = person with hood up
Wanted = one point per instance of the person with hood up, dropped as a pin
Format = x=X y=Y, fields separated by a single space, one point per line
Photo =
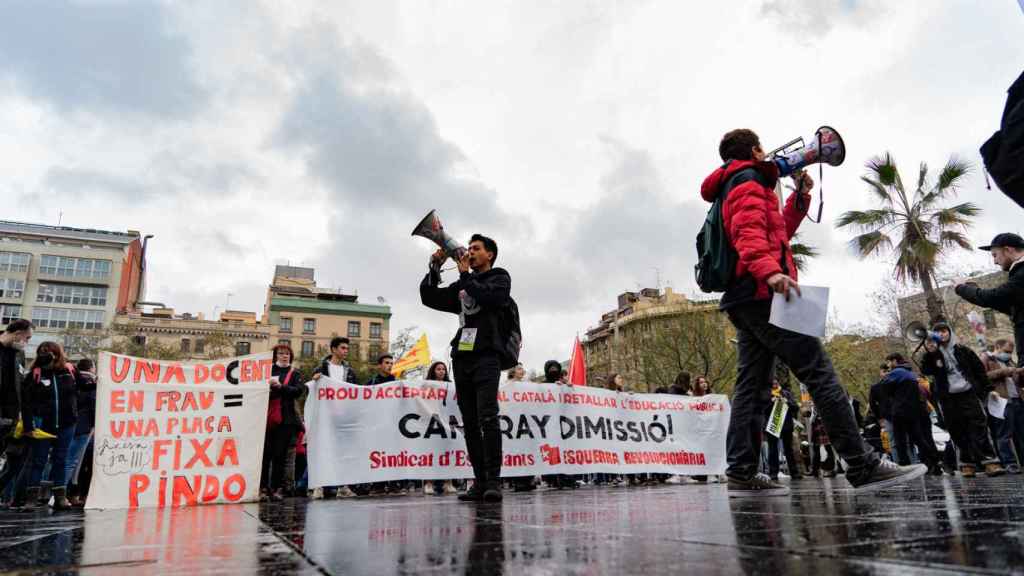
x=905 y=408
x=759 y=230
x=479 y=297
x=960 y=383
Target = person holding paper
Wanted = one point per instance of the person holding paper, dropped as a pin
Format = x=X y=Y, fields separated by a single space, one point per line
x=1008 y=431
x=760 y=233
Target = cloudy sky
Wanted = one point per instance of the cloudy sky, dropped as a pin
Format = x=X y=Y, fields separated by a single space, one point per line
x=575 y=133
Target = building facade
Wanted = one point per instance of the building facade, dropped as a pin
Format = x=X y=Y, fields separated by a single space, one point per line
x=307 y=317
x=67 y=279
x=185 y=336
x=652 y=335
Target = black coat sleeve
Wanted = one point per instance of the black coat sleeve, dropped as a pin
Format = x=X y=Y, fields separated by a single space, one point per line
x=978 y=374
x=441 y=299
x=493 y=291
x=930 y=364
x=1000 y=298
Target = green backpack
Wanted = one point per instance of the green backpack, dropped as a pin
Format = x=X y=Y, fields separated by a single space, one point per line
x=716 y=257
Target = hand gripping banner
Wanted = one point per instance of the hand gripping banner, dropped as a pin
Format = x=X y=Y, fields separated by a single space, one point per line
x=413 y=430
x=178 y=434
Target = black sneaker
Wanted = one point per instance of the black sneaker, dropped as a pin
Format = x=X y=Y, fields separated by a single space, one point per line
x=474 y=494
x=493 y=492
x=888 y=474
x=759 y=485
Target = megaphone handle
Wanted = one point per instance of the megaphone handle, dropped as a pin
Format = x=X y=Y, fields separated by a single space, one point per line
x=821 y=189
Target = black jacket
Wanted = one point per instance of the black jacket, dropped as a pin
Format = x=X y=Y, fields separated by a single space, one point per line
x=878 y=401
x=287 y=393
x=12 y=365
x=478 y=299
x=378 y=379
x=350 y=375
x=50 y=400
x=86 y=383
x=1003 y=153
x=933 y=364
x=903 y=393
x=1007 y=298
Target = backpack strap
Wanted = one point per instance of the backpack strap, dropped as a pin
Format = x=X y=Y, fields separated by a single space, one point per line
x=288 y=377
x=741 y=176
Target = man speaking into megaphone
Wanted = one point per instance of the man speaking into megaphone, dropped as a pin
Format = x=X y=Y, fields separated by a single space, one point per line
x=759 y=233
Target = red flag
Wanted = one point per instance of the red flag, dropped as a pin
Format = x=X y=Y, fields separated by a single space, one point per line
x=577 y=365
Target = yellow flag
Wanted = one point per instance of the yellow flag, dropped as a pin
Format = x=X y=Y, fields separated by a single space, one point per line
x=418 y=356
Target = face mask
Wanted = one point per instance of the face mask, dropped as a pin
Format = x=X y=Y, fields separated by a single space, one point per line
x=44 y=359
x=1003 y=356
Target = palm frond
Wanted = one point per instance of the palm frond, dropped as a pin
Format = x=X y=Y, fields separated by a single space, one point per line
x=948 y=182
x=878 y=189
x=869 y=243
x=959 y=215
x=866 y=219
x=922 y=180
x=884 y=169
x=951 y=239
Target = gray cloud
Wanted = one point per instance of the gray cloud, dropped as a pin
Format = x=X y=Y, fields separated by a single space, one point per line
x=816 y=18
x=117 y=58
x=78 y=182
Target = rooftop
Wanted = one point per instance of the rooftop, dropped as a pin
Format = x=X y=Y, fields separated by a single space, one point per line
x=329 y=306
x=67 y=232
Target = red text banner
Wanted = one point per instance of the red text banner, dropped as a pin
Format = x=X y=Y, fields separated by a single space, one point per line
x=413 y=430
x=172 y=434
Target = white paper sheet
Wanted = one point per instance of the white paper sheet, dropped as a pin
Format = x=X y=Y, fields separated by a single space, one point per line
x=996 y=405
x=805 y=314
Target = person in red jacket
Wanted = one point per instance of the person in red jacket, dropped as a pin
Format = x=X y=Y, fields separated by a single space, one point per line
x=760 y=233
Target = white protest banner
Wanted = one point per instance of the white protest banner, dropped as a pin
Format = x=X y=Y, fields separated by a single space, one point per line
x=413 y=430
x=777 y=417
x=178 y=434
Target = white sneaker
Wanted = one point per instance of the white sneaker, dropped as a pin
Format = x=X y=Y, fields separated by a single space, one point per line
x=428 y=488
x=450 y=488
x=674 y=480
x=345 y=492
x=317 y=494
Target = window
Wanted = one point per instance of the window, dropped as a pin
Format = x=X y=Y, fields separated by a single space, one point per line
x=200 y=346
x=64 y=318
x=375 y=330
x=71 y=294
x=308 y=348
x=14 y=261
x=74 y=267
x=375 y=351
x=12 y=288
x=186 y=346
x=9 y=313
x=285 y=342
x=286 y=324
x=353 y=329
x=309 y=326
x=242 y=348
x=139 y=340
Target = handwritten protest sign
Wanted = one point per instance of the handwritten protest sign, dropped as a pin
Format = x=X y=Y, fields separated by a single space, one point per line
x=172 y=434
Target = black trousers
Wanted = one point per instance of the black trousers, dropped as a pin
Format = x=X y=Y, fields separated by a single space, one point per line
x=476 y=386
x=275 y=456
x=758 y=344
x=787 y=445
x=909 y=424
x=968 y=427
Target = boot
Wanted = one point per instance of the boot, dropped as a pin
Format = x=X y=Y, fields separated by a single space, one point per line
x=475 y=493
x=60 y=501
x=493 y=491
x=45 y=490
x=993 y=470
x=28 y=500
x=967 y=471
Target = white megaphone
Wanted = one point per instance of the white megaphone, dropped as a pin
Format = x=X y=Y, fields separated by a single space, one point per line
x=432 y=229
x=825 y=147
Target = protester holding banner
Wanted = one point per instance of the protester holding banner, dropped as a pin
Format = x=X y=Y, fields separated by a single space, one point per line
x=79 y=467
x=479 y=297
x=12 y=370
x=438 y=372
x=49 y=404
x=283 y=422
x=335 y=365
x=783 y=395
x=385 y=362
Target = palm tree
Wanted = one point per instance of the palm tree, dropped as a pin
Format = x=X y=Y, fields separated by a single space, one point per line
x=925 y=229
x=802 y=253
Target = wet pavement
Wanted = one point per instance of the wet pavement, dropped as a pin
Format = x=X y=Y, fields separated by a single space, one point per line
x=936 y=526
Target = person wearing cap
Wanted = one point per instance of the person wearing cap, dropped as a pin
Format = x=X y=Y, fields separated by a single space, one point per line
x=1008 y=253
x=961 y=381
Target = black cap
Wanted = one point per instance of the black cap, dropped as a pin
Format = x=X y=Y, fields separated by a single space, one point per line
x=1005 y=240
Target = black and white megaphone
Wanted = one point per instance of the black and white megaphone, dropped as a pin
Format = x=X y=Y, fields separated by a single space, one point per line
x=825 y=147
x=432 y=229
x=916 y=331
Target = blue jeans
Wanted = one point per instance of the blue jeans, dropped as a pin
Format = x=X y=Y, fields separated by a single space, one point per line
x=56 y=452
x=75 y=454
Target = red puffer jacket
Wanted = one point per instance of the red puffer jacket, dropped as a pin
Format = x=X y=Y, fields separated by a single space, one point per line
x=755 y=226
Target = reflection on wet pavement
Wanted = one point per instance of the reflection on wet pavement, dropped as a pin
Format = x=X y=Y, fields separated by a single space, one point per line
x=939 y=525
